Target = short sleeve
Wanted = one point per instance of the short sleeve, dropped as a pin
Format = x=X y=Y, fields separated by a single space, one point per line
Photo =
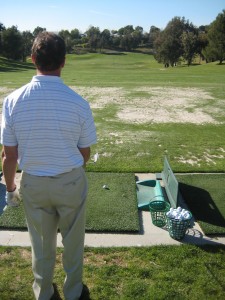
x=8 y=137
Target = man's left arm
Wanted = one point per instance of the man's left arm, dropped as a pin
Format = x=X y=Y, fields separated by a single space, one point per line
x=9 y=166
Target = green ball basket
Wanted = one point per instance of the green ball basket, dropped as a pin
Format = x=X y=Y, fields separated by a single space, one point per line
x=158 y=210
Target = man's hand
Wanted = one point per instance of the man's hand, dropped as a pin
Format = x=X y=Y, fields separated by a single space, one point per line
x=12 y=198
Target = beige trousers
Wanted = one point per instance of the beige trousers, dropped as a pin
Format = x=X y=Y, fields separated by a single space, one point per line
x=51 y=203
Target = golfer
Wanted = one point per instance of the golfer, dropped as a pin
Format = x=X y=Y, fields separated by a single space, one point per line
x=48 y=129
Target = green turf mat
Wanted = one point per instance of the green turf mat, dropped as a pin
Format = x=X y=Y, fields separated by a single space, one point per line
x=205 y=197
x=111 y=209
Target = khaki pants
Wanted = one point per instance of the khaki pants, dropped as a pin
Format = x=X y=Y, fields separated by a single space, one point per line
x=51 y=203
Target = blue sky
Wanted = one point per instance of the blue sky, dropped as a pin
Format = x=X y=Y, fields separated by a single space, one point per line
x=55 y=15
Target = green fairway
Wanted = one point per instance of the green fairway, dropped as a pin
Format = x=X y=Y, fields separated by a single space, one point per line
x=144 y=111
x=126 y=70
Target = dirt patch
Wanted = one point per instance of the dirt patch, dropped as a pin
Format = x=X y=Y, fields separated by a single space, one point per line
x=159 y=105
x=169 y=105
x=100 y=97
x=205 y=157
x=4 y=91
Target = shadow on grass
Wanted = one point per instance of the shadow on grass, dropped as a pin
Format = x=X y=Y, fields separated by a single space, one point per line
x=84 y=296
x=2 y=198
x=195 y=237
x=202 y=205
x=145 y=52
x=56 y=295
x=189 y=66
x=7 y=65
x=114 y=53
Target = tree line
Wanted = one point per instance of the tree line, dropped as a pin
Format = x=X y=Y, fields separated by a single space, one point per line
x=180 y=40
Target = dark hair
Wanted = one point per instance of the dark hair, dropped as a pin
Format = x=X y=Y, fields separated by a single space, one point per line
x=49 y=51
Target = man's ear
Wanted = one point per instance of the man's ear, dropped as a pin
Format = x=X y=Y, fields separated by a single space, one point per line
x=63 y=64
x=33 y=58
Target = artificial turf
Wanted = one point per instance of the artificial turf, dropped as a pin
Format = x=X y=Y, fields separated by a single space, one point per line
x=114 y=208
x=109 y=209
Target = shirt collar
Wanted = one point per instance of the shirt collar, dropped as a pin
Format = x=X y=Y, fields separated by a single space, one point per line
x=47 y=78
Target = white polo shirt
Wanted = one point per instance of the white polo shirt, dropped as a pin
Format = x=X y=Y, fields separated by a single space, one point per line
x=48 y=121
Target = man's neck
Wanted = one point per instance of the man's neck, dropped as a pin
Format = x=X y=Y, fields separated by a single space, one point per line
x=50 y=73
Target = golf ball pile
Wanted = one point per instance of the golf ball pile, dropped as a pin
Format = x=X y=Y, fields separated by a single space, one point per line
x=178 y=214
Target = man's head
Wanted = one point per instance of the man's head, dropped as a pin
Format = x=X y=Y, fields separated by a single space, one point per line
x=48 y=52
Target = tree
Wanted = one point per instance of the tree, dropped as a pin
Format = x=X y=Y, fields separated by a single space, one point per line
x=137 y=35
x=168 y=45
x=93 y=36
x=27 y=39
x=202 y=41
x=66 y=36
x=153 y=34
x=126 y=42
x=115 y=38
x=125 y=37
x=37 y=30
x=210 y=54
x=190 y=45
x=126 y=30
x=12 y=43
x=216 y=37
x=75 y=36
x=105 y=39
x=2 y=28
x=129 y=37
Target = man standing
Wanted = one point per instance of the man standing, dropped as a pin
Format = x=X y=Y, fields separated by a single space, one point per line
x=48 y=129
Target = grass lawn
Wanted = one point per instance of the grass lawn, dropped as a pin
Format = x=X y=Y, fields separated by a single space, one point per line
x=204 y=195
x=146 y=273
x=117 y=85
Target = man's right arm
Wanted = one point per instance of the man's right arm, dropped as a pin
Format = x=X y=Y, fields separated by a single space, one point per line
x=86 y=153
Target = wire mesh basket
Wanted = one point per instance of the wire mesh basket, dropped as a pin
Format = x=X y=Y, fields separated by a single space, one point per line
x=158 y=210
x=178 y=228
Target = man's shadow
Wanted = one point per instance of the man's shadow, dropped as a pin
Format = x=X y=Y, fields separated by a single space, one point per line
x=84 y=296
